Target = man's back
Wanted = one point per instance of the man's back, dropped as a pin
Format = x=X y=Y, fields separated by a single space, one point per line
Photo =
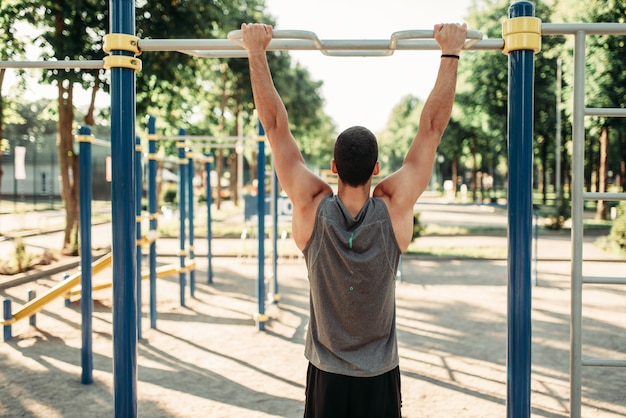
x=352 y=263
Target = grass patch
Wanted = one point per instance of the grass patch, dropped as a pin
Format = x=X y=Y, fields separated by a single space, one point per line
x=485 y=252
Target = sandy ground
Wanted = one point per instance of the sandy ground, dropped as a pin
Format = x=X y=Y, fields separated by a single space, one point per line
x=209 y=359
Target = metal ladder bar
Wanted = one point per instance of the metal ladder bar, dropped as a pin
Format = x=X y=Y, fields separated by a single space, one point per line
x=578 y=198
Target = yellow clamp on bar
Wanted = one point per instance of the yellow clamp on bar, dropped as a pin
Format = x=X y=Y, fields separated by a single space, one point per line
x=153 y=156
x=138 y=148
x=276 y=297
x=260 y=138
x=120 y=42
x=153 y=137
x=122 y=61
x=522 y=33
x=260 y=317
x=190 y=155
x=84 y=138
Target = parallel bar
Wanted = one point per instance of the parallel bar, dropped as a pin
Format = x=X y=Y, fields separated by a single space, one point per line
x=578 y=170
x=51 y=64
x=589 y=28
x=603 y=363
x=604 y=280
x=606 y=111
x=603 y=196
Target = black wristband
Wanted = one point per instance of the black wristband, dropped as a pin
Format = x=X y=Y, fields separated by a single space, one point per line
x=450 y=56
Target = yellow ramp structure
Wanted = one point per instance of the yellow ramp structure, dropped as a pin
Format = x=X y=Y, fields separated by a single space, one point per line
x=37 y=304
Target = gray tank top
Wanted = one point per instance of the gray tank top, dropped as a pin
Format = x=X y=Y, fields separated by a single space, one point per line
x=352 y=264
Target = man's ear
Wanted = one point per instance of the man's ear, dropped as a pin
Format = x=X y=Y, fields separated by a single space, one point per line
x=376 y=168
x=333 y=167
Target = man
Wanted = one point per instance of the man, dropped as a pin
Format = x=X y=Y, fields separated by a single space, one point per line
x=352 y=241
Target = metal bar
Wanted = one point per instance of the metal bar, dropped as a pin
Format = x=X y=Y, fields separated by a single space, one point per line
x=182 y=212
x=190 y=222
x=603 y=363
x=86 y=304
x=520 y=145
x=589 y=28
x=209 y=201
x=52 y=64
x=123 y=195
x=260 y=289
x=604 y=280
x=578 y=184
x=605 y=111
x=152 y=208
x=604 y=196
x=138 y=233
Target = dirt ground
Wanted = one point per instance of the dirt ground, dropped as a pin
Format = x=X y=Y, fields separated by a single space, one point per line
x=209 y=359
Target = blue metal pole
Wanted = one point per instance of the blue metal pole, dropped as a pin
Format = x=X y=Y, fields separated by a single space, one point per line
x=86 y=299
x=260 y=290
x=138 y=255
x=275 y=186
x=7 y=315
x=182 y=163
x=520 y=145
x=152 y=208
x=123 y=219
x=209 y=201
x=190 y=215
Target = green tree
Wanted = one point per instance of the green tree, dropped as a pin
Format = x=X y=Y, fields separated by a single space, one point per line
x=606 y=88
x=395 y=139
x=485 y=84
x=10 y=48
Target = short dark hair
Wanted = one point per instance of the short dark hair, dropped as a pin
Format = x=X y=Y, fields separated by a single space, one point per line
x=356 y=153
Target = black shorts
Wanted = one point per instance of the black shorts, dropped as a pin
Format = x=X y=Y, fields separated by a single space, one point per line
x=330 y=395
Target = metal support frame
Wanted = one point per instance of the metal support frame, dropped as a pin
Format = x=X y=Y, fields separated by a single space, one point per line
x=124 y=191
x=85 y=139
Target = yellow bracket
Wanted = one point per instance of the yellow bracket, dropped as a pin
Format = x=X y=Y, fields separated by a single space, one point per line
x=122 y=61
x=261 y=317
x=522 y=34
x=84 y=138
x=138 y=148
x=120 y=42
x=153 y=156
x=260 y=138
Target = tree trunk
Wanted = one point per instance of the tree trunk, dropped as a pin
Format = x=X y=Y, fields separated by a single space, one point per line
x=89 y=119
x=603 y=172
x=68 y=167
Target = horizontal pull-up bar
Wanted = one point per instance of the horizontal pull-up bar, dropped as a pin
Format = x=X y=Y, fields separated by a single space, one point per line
x=299 y=40
x=302 y=40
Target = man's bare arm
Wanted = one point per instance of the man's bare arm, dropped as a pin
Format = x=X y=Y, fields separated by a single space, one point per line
x=303 y=187
x=402 y=189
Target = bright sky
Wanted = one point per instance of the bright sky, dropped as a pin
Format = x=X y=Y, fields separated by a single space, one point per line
x=362 y=91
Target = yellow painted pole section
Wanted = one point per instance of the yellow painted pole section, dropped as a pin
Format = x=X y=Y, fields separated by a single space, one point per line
x=60 y=289
x=522 y=33
x=162 y=271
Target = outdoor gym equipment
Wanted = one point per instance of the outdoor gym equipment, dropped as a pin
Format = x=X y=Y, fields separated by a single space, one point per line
x=521 y=40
